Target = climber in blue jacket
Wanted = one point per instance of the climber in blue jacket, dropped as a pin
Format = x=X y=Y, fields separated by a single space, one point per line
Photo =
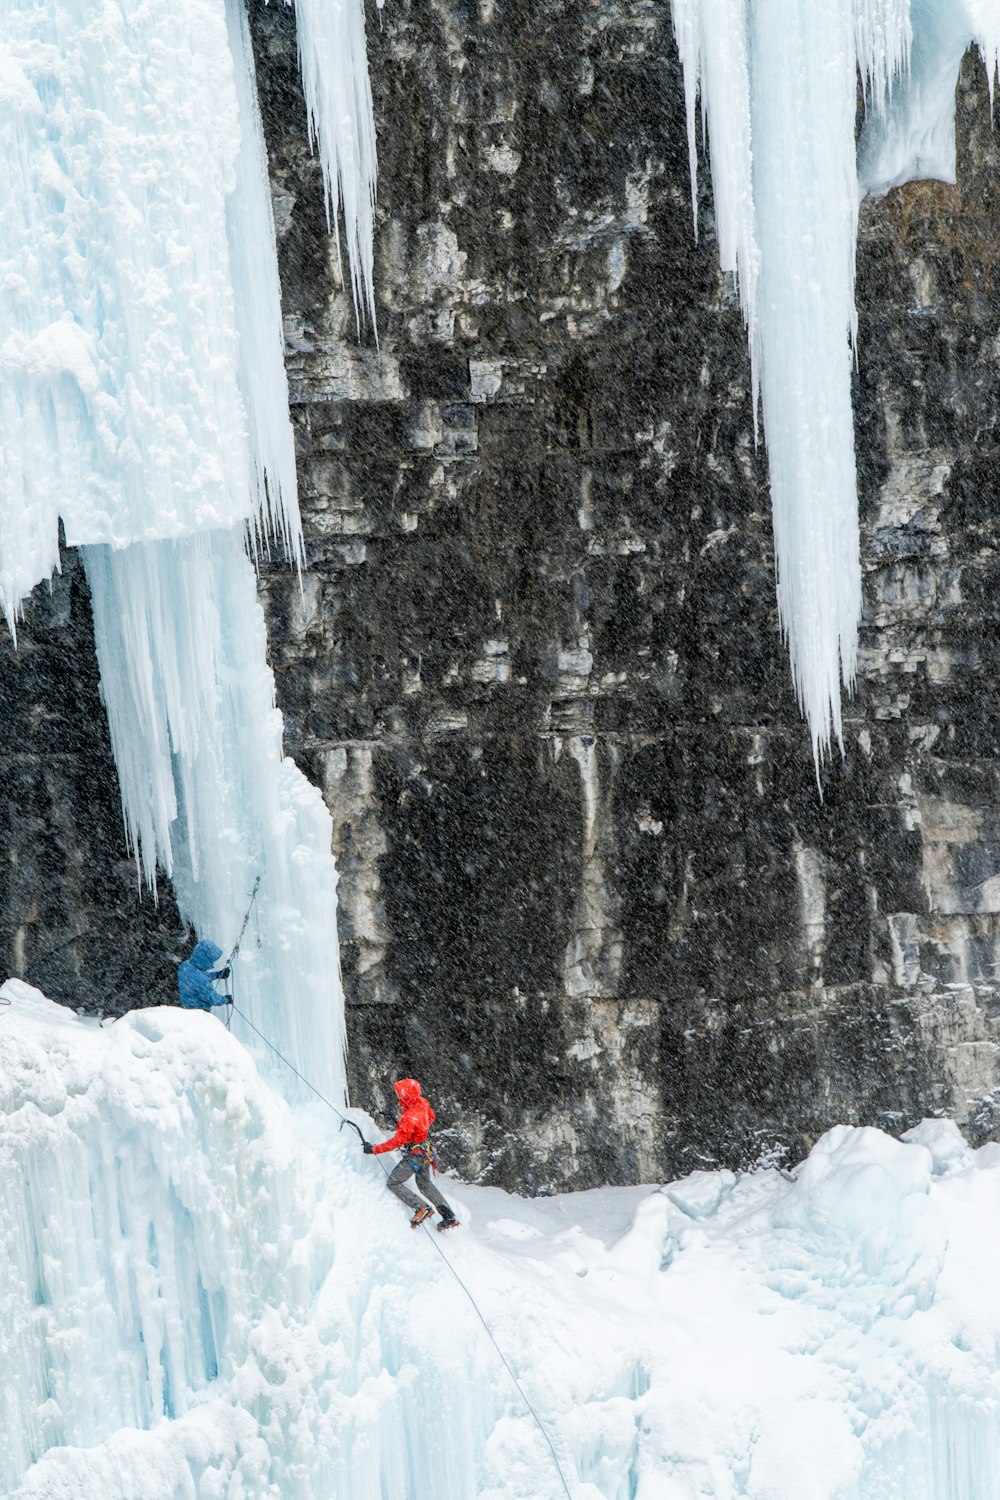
x=196 y=975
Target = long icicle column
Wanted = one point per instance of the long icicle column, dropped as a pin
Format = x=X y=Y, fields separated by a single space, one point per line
x=144 y=404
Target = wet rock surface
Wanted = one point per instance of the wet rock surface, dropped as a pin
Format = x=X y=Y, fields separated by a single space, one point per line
x=590 y=894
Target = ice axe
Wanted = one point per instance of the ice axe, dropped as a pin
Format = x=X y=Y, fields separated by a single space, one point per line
x=345 y=1121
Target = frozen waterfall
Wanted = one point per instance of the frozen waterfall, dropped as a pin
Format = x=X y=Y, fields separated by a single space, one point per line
x=778 y=87
x=144 y=403
x=916 y=137
x=120 y=399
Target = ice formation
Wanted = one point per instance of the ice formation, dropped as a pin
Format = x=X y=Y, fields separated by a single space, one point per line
x=197 y=740
x=333 y=63
x=206 y=1294
x=144 y=404
x=778 y=88
x=141 y=352
x=120 y=400
x=916 y=137
x=250 y=236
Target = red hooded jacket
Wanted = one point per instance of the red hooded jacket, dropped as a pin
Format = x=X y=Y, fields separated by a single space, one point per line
x=414 y=1122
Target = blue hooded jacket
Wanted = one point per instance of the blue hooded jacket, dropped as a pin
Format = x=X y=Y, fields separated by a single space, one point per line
x=194 y=978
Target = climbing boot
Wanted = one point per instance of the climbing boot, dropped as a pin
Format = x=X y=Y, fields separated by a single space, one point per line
x=419 y=1216
x=448 y=1221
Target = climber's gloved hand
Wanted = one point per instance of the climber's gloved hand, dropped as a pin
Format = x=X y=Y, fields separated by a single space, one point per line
x=366 y=1146
x=224 y=973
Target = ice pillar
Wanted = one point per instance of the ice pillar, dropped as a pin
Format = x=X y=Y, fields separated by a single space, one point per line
x=334 y=67
x=778 y=85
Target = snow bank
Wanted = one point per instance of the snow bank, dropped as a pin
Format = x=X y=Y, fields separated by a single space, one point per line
x=207 y=1294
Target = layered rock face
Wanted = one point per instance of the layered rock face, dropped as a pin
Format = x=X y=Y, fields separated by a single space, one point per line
x=590 y=893
x=73 y=919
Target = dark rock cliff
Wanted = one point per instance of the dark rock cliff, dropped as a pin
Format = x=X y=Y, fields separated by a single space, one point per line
x=589 y=892
x=72 y=917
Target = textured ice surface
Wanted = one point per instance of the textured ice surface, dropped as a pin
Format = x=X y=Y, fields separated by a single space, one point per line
x=120 y=402
x=916 y=137
x=206 y=1294
x=778 y=88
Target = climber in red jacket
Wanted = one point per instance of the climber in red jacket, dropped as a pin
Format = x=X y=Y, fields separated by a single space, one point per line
x=418 y=1156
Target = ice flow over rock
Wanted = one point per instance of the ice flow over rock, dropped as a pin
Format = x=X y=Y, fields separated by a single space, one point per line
x=778 y=89
x=144 y=405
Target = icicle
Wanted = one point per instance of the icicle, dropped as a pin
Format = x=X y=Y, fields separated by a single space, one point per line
x=257 y=291
x=206 y=788
x=334 y=65
x=806 y=203
x=713 y=42
x=778 y=89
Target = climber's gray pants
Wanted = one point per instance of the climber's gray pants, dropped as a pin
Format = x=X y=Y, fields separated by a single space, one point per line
x=425 y=1182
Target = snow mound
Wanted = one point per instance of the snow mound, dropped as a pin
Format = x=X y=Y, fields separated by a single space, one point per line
x=207 y=1293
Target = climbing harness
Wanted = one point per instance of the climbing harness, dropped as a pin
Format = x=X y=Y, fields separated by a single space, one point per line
x=435 y=1242
x=422 y=1155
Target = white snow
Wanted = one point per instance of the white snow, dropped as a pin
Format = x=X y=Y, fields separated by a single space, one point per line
x=205 y=1293
x=778 y=88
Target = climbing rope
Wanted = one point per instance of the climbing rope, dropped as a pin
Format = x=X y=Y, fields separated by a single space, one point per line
x=434 y=1241
x=246 y=919
x=230 y=986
